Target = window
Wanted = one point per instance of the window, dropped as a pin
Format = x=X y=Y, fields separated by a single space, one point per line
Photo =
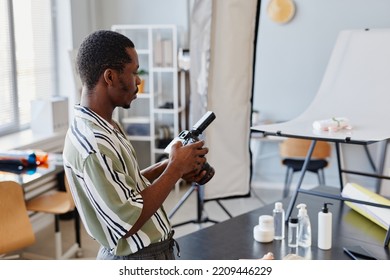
x=27 y=59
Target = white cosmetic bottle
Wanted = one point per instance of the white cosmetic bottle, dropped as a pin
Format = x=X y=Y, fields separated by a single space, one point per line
x=325 y=228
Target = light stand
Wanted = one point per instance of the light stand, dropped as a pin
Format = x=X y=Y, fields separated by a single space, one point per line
x=190 y=136
x=200 y=203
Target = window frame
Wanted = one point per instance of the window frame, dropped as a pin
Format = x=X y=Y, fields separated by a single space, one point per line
x=16 y=125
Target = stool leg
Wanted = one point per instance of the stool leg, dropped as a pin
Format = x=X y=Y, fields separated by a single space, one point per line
x=77 y=227
x=58 y=238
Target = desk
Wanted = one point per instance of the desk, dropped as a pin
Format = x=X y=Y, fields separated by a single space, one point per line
x=43 y=179
x=233 y=239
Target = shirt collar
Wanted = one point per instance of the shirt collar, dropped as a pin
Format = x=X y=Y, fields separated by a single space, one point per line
x=88 y=114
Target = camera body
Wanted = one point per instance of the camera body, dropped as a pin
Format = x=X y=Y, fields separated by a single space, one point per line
x=191 y=136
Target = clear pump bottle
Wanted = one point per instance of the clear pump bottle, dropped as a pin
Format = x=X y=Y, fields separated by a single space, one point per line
x=278 y=214
x=304 y=227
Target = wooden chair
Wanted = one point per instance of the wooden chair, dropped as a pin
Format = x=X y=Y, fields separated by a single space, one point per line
x=16 y=231
x=293 y=153
x=59 y=203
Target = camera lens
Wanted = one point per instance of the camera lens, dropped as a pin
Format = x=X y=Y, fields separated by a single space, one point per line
x=209 y=174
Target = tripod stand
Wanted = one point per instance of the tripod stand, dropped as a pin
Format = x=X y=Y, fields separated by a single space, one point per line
x=199 y=203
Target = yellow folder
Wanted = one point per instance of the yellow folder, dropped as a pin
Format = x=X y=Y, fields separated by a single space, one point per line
x=378 y=215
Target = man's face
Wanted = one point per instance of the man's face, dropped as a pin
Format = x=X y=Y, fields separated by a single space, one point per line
x=128 y=81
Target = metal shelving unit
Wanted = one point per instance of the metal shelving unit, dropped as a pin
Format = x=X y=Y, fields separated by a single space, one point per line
x=158 y=114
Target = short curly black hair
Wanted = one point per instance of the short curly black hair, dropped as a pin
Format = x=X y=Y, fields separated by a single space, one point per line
x=101 y=50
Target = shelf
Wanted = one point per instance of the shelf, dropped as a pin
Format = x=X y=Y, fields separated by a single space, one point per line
x=143 y=52
x=169 y=110
x=131 y=120
x=143 y=95
x=139 y=138
x=159 y=151
x=164 y=111
x=157 y=55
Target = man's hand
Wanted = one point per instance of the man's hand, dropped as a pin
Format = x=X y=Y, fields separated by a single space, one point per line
x=207 y=172
x=194 y=176
x=188 y=159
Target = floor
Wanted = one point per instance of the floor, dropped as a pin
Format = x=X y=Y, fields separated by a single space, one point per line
x=260 y=195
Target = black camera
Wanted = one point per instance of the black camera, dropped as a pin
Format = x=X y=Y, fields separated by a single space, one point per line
x=190 y=136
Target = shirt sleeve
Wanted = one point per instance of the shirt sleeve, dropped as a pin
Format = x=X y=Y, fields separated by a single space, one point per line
x=114 y=195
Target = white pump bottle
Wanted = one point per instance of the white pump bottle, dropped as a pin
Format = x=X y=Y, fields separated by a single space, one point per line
x=325 y=228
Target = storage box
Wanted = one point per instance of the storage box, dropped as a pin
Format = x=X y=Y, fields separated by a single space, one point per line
x=138 y=129
x=49 y=115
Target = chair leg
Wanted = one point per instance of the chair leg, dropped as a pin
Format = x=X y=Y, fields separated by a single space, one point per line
x=75 y=248
x=79 y=252
x=58 y=238
x=77 y=227
x=321 y=177
x=287 y=181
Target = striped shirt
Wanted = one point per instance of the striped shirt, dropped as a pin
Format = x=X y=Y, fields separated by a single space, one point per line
x=105 y=181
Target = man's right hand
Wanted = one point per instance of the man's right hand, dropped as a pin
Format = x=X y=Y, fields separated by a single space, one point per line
x=189 y=158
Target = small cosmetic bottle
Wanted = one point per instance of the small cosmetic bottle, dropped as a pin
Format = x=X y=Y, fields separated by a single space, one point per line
x=279 y=223
x=293 y=232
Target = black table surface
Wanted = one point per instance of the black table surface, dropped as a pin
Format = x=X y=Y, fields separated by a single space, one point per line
x=233 y=239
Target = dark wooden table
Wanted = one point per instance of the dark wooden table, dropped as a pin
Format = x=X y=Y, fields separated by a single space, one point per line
x=233 y=239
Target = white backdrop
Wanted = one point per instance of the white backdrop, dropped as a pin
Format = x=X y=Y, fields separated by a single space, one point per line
x=356 y=85
x=229 y=96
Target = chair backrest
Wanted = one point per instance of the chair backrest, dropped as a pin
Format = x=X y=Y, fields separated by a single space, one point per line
x=298 y=148
x=16 y=231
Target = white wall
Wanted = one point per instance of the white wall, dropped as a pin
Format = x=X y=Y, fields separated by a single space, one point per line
x=84 y=19
x=90 y=15
x=146 y=12
x=291 y=58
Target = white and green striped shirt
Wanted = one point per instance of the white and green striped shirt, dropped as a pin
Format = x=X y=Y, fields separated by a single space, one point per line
x=105 y=181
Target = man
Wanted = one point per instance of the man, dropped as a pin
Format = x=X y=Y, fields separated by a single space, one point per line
x=120 y=205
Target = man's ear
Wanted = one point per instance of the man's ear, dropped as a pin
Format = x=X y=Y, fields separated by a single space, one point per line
x=108 y=75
